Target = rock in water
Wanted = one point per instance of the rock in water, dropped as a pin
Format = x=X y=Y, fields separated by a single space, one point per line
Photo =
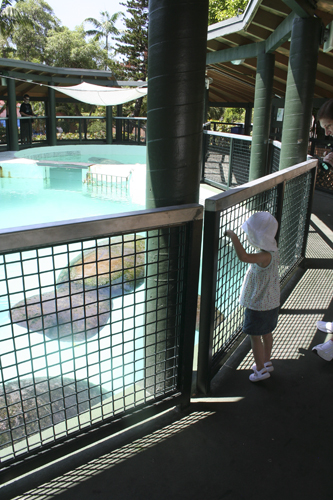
x=80 y=304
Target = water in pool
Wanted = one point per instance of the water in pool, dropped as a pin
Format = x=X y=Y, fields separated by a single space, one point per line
x=102 y=154
x=36 y=191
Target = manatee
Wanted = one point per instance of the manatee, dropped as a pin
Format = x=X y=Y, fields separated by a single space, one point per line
x=101 y=161
x=80 y=304
x=28 y=406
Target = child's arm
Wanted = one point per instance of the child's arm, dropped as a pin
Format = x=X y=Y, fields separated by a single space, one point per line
x=262 y=258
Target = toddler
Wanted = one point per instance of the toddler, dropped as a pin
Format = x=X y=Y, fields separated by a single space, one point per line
x=260 y=293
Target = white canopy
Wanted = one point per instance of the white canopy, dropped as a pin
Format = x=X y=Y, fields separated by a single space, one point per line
x=102 y=96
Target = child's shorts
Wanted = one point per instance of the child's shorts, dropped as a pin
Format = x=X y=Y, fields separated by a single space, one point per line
x=260 y=322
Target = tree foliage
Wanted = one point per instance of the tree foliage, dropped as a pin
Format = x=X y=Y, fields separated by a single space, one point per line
x=10 y=18
x=133 y=44
x=69 y=49
x=225 y=9
x=30 y=38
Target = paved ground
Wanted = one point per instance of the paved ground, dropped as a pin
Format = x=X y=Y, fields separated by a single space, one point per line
x=270 y=440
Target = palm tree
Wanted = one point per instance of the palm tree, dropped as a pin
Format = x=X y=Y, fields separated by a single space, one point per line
x=104 y=28
x=10 y=16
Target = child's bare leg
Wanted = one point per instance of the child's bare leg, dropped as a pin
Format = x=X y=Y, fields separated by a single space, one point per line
x=268 y=344
x=258 y=351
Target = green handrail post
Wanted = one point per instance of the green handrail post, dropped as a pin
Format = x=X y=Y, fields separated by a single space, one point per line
x=51 y=129
x=300 y=89
x=12 y=127
x=261 y=115
x=108 y=117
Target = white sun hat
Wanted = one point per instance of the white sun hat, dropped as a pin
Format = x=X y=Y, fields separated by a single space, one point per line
x=261 y=229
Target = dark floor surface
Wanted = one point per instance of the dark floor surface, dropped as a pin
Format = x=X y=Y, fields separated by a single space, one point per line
x=271 y=440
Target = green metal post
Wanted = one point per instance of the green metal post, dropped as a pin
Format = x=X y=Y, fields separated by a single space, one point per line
x=108 y=117
x=262 y=115
x=176 y=82
x=305 y=39
x=12 y=126
x=248 y=117
x=51 y=111
x=119 y=124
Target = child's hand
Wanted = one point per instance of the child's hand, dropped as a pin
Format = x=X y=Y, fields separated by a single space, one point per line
x=229 y=233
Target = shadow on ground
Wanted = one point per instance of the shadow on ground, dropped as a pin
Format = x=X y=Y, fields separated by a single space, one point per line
x=248 y=441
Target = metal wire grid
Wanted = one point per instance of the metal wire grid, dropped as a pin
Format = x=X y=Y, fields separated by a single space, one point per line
x=217 y=159
x=240 y=163
x=231 y=271
x=324 y=178
x=293 y=222
x=275 y=163
x=224 y=155
x=108 y=186
x=165 y=285
x=72 y=333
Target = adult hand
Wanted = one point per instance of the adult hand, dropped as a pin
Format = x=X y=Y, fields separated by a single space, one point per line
x=328 y=158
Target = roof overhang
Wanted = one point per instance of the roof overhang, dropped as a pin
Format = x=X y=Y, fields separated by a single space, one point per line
x=34 y=79
x=266 y=27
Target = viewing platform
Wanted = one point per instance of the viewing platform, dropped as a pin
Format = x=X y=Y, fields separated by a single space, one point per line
x=243 y=440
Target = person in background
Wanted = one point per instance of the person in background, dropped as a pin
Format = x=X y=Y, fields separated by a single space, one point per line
x=325 y=118
x=260 y=292
x=26 y=125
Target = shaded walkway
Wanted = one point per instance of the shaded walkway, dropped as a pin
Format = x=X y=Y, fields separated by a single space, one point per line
x=246 y=441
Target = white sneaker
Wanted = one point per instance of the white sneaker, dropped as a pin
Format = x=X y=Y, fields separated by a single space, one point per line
x=324 y=326
x=325 y=351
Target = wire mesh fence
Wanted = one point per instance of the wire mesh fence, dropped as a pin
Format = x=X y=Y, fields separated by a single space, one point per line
x=230 y=270
x=275 y=157
x=227 y=158
x=287 y=196
x=90 y=330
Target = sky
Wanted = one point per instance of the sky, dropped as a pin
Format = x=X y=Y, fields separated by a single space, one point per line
x=73 y=12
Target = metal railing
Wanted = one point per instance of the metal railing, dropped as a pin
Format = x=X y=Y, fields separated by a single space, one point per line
x=287 y=195
x=226 y=159
x=97 y=323
x=81 y=128
x=218 y=126
x=130 y=129
x=274 y=156
x=77 y=129
x=32 y=130
x=93 y=128
x=318 y=148
x=3 y=133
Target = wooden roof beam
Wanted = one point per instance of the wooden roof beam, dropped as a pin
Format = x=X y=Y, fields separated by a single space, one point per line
x=281 y=34
x=303 y=8
x=234 y=53
x=277 y=38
